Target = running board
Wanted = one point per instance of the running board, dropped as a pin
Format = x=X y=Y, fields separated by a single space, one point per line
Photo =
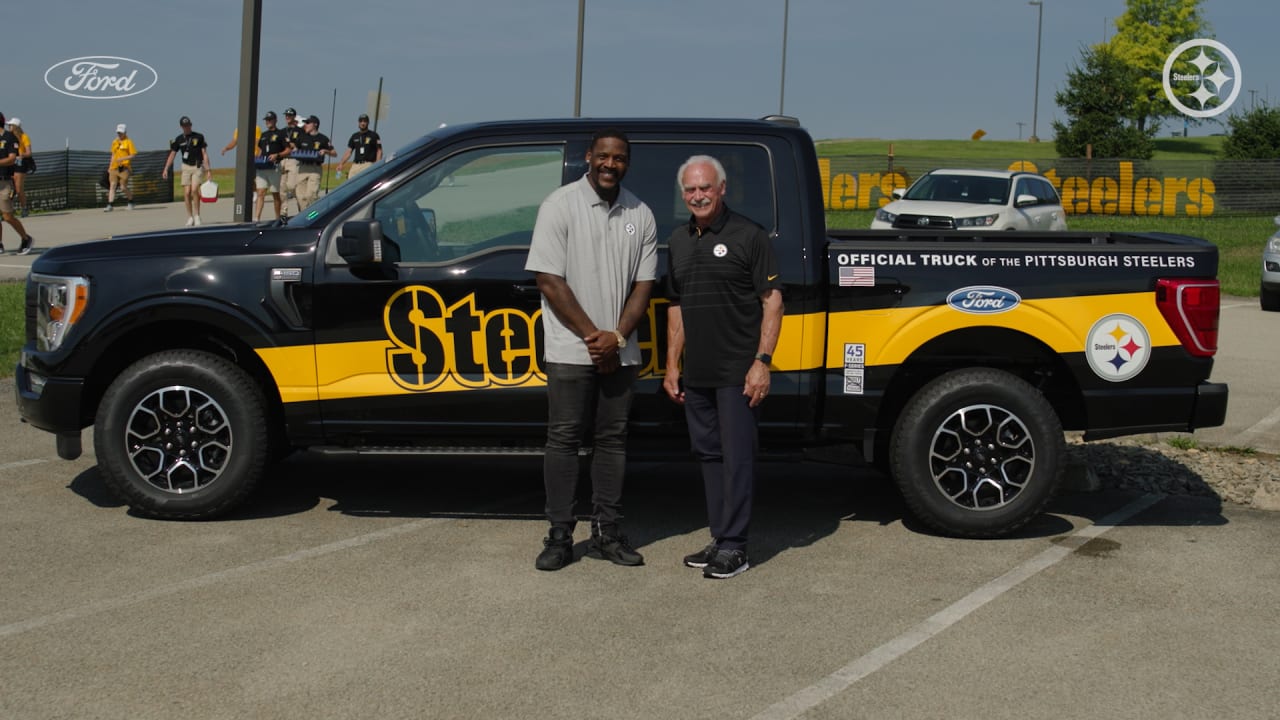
x=409 y=450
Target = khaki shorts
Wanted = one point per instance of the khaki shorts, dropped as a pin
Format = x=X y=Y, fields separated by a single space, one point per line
x=268 y=179
x=191 y=175
x=6 y=196
x=119 y=175
x=288 y=174
x=358 y=168
x=307 y=188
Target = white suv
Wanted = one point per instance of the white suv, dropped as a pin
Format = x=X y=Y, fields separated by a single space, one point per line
x=974 y=200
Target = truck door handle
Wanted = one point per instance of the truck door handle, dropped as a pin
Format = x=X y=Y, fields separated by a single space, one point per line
x=526 y=289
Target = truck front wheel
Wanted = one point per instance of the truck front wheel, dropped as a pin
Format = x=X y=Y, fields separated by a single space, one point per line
x=181 y=434
x=977 y=453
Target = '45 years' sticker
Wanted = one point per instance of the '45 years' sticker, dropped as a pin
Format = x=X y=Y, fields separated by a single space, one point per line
x=1118 y=347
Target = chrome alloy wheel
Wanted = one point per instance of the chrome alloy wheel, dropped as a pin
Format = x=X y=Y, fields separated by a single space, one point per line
x=982 y=457
x=178 y=439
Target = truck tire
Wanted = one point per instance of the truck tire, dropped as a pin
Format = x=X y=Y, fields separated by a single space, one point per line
x=977 y=453
x=182 y=434
x=1269 y=300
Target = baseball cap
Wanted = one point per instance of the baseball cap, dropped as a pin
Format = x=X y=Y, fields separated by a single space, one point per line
x=120 y=128
x=312 y=119
x=290 y=111
x=184 y=120
x=271 y=115
x=15 y=121
x=363 y=117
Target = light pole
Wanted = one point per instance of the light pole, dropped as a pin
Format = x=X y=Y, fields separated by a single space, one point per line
x=577 y=83
x=782 y=91
x=1035 y=107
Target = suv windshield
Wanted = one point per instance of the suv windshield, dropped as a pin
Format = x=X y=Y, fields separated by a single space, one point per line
x=960 y=188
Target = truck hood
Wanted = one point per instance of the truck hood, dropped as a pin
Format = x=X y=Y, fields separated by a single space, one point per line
x=182 y=242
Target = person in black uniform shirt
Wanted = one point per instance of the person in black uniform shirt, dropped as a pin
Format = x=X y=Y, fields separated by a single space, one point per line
x=270 y=146
x=367 y=147
x=9 y=146
x=195 y=158
x=309 y=150
x=289 y=166
x=724 y=316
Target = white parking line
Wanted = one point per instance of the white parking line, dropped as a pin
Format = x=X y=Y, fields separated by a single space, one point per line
x=844 y=678
x=214 y=578
x=1263 y=426
x=21 y=463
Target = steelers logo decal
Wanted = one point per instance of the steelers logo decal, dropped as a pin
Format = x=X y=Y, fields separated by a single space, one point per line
x=1118 y=347
x=720 y=250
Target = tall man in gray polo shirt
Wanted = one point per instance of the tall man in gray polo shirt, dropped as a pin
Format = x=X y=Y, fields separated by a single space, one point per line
x=594 y=250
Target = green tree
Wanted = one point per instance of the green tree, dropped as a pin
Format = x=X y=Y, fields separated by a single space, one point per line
x=1100 y=102
x=1146 y=34
x=1254 y=135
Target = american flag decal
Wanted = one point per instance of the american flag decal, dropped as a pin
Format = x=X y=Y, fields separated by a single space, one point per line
x=857 y=277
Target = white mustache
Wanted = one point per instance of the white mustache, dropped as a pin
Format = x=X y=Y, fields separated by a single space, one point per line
x=700 y=203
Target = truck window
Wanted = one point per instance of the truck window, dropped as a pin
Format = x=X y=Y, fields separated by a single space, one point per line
x=652 y=177
x=474 y=201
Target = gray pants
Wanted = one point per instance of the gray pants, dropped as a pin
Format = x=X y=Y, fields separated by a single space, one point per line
x=580 y=400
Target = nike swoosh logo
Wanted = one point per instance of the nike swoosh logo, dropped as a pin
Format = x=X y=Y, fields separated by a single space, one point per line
x=771 y=278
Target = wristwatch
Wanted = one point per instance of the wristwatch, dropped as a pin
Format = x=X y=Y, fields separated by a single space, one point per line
x=765 y=358
x=622 y=341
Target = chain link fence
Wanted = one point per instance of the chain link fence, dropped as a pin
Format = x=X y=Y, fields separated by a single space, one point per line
x=1186 y=188
x=68 y=179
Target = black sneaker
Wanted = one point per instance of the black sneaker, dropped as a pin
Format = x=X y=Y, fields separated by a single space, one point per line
x=613 y=546
x=557 y=549
x=726 y=564
x=700 y=558
x=25 y=247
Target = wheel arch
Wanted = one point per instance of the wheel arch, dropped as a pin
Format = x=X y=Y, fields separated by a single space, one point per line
x=144 y=329
x=992 y=347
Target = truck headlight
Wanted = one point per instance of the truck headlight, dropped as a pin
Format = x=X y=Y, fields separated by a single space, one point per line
x=883 y=215
x=60 y=303
x=980 y=221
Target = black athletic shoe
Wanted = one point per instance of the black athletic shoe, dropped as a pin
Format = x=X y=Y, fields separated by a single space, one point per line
x=726 y=564
x=700 y=558
x=557 y=549
x=25 y=247
x=614 y=547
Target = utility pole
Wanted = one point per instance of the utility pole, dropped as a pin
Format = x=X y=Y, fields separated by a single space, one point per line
x=246 y=116
x=1035 y=107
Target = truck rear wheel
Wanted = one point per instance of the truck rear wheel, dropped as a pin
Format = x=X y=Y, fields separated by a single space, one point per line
x=977 y=453
x=182 y=434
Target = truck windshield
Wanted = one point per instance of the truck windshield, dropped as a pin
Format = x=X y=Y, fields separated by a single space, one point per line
x=339 y=196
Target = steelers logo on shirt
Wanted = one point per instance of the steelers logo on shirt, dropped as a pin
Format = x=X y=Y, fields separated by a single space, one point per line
x=720 y=250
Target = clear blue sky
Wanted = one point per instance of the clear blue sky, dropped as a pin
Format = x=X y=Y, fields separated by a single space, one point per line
x=905 y=69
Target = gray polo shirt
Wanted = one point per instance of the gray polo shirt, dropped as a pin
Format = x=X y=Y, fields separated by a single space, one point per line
x=600 y=251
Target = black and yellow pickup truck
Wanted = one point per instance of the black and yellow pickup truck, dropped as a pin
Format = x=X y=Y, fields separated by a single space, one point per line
x=395 y=317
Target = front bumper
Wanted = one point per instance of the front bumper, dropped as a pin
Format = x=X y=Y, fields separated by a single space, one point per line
x=54 y=408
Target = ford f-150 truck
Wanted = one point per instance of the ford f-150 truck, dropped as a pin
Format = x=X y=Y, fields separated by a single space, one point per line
x=395 y=316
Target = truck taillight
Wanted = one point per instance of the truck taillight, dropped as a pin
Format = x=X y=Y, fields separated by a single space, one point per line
x=1190 y=306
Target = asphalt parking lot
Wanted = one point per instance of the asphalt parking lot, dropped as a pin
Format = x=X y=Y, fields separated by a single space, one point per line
x=406 y=588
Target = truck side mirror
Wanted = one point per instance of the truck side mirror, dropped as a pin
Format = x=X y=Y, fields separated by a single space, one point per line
x=361 y=242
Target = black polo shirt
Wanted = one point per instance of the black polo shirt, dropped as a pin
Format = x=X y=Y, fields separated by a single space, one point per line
x=717 y=276
x=8 y=146
x=272 y=142
x=365 y=144
x=190 y=146
x=306 y=148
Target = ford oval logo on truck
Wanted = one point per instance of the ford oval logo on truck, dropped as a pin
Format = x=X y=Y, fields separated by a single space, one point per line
x=101 y=77
x=984 y=299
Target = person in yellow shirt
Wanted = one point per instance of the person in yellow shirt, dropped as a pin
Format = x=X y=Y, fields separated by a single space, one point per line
x=25 y=164
x=122 y=153
x=235 y=137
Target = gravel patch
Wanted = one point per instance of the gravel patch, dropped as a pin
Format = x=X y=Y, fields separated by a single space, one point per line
x=1149 y=463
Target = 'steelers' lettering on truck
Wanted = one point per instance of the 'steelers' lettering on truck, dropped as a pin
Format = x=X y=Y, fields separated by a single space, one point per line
x=395 y=316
